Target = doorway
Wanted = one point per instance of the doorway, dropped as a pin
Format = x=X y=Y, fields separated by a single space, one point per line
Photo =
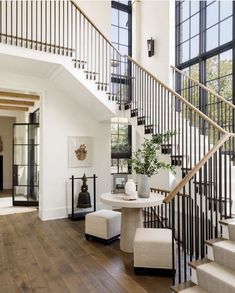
x=26 y=164
x=6 y=137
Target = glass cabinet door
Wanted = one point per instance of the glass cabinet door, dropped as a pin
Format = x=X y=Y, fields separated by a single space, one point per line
x=26 y=164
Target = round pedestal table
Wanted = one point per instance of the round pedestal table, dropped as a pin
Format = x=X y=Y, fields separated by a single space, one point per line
x=132 y=214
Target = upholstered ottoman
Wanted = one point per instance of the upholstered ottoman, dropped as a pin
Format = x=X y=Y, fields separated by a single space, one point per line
x=153 y=251
x=103 y=225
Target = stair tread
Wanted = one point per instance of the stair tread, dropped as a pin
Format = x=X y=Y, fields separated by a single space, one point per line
x=217 y=272
x=194 y=264
x=227 y=221
x=183 y=286
x=228 y=245
x=211 y=242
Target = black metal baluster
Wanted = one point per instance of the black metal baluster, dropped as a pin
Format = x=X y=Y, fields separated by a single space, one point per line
x=45 y=32
x=41 y=24
x=77 y=62
x=11 y=22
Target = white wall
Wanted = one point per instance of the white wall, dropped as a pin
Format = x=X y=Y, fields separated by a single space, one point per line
x=154 y=19
x=99 y=12
x=6 y=133
x=62 y=116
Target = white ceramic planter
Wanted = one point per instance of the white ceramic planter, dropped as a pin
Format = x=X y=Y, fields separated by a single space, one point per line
x=143 y=185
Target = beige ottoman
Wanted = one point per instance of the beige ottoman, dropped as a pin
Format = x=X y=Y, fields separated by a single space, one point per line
x=103 y=225
x=153 y=251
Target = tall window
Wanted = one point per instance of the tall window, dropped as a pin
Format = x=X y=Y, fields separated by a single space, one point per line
x=121 y=39
x=205 y=46
x=120 y=145
x=121 y=26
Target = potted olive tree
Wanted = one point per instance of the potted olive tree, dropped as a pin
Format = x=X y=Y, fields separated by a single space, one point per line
x=146 y=163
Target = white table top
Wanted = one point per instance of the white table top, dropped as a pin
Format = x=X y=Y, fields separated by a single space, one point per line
x=117 y=200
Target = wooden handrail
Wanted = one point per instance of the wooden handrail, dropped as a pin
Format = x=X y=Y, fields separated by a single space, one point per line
x=215 y=125
x=92 y=23
x=204 y=87
x=154 y=189
x=197 y=167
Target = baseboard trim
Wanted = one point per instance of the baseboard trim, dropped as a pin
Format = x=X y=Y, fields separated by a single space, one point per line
x=154 y=271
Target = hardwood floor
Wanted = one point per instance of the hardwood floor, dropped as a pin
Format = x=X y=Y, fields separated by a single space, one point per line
x=54 y=256
x=5 y=193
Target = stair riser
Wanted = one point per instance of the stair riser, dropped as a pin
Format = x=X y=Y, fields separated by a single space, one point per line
x=210 y=252
x=194 y=276
x=225 y=232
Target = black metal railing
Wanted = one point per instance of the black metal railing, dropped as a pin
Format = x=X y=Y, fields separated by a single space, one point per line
x=201 y=150
x=216 y=107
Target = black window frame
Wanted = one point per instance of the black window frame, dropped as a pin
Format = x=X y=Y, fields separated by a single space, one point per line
x=204 y=55
x=118 y=155
x=124 y=79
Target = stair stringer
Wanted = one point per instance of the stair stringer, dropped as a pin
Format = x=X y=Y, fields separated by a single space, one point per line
x=97 y=98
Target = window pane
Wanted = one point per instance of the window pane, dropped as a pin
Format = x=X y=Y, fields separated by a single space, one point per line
x=114 y=34
x=123 y=49
x=123 y=19
x=225 y=87
x=114 y=128
x=194 y=47
x=184 y=31
x=226 y=31
x=114 y=166
x=115 y=16
x=123 y=1
x=226 y=8
x=212 y=14
x=184 y=52
x=123 y=36
x=195 y=25
x=213 y=85
x=194 y=71
x=184 y=10
x=123 y=129
x=212 y=68
x=226 y=64
x=212 y=38
x=194 y=6
x=123 y=166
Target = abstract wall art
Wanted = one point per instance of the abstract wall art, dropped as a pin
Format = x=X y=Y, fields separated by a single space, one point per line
x=79 y=151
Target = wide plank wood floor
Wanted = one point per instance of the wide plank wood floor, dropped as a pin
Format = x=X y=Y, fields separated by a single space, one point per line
x=54 y=256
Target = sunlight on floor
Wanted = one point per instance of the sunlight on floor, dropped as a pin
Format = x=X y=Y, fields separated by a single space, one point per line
x=6 y=207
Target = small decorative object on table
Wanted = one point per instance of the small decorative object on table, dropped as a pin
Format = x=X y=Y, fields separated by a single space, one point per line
x=130 y=190
x=119 y=181
x=146 y=163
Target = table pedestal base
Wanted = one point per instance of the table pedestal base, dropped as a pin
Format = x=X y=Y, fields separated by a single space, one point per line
x=132 y=218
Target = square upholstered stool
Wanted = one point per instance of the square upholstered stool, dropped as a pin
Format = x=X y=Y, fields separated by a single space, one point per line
x=103 y=225
x=153 y=251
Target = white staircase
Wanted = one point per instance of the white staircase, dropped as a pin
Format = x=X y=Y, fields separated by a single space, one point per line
x=216 y=273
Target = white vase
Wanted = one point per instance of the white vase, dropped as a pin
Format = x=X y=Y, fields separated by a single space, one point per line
x=130 y=188
x=143 y=185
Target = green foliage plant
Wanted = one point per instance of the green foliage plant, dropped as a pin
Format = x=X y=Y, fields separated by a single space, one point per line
x=145 y=159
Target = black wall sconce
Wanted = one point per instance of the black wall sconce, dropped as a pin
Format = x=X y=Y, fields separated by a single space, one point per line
x=150 y=45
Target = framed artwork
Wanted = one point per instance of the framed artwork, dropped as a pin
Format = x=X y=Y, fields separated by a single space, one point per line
x=119 y=181
x=80 y=151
